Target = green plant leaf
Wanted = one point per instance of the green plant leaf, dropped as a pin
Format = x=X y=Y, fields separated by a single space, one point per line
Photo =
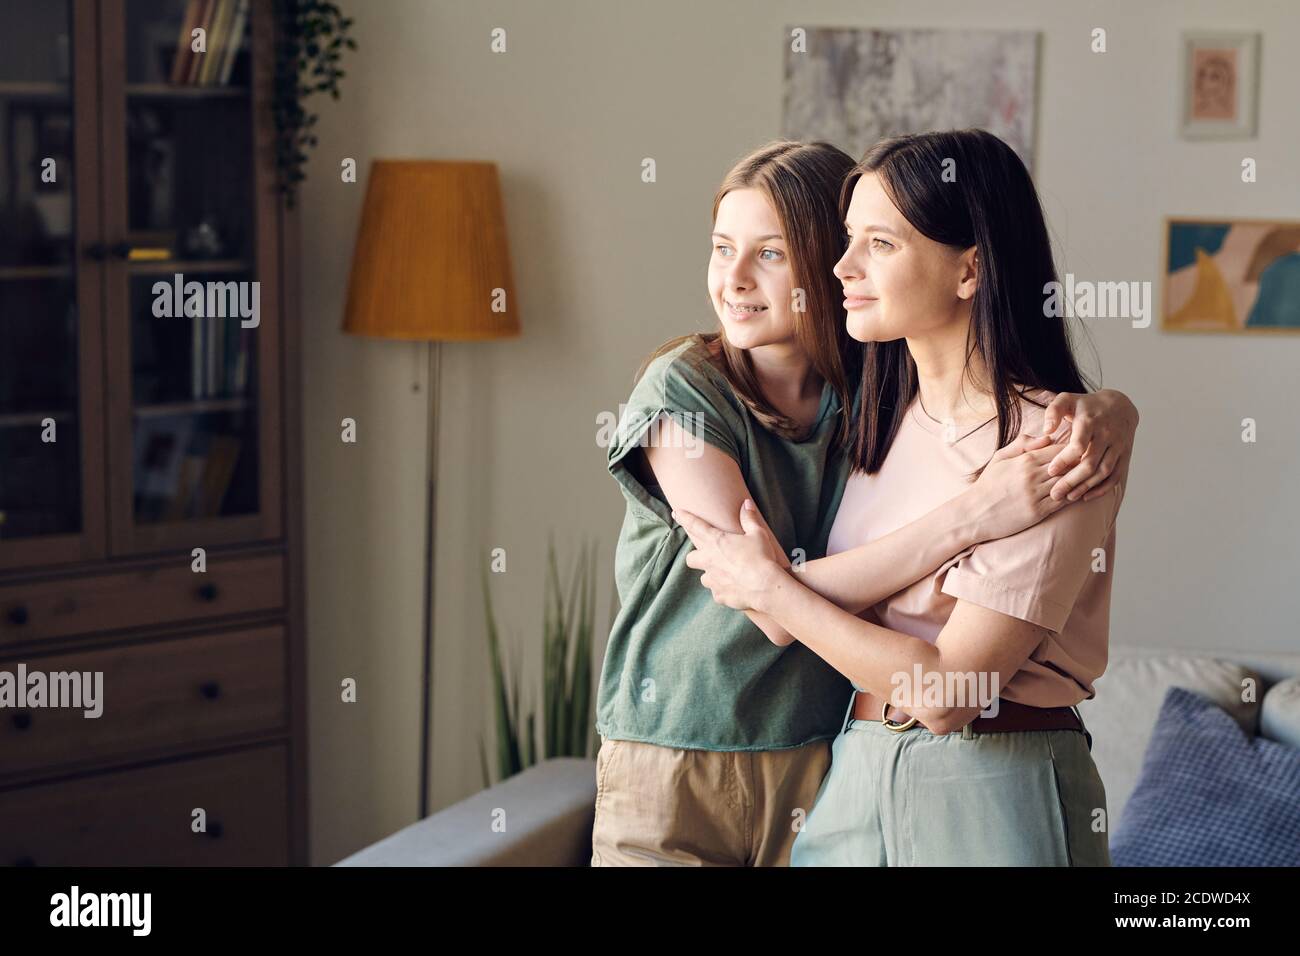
x=308 y=37
x=580 y=682
x=567 y=686
x=507 y=752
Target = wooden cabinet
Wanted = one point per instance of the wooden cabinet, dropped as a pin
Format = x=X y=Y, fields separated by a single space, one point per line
x=159 y=695
x=106 y=600
x=150 y=524
x=146 y=815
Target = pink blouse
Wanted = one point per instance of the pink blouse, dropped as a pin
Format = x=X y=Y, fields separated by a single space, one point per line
x=1055 y=574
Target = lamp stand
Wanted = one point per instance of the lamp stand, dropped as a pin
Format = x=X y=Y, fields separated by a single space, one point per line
x=434 y=354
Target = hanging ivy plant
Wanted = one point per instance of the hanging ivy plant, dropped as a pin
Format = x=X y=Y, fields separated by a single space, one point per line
x=310 y=38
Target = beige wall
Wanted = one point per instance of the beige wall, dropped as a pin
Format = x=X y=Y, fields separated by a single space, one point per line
x=607 y=267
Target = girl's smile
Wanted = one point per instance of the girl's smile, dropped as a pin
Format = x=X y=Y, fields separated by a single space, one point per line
x=742 y=311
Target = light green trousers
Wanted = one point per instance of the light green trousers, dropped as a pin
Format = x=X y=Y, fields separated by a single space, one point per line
x=911 y=798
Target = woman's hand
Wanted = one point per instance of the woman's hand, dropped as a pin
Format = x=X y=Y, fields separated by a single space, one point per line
x=740 y=569
x=1014 y=489
x=1102 y=426
x=774 y=549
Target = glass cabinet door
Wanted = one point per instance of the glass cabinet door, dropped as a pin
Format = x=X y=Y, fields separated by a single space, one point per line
x=51 y=498
x=192 y=302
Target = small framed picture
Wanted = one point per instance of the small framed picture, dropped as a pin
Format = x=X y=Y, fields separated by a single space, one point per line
x=1220 y=85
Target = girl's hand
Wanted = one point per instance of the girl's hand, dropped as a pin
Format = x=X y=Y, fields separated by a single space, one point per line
x=1014 y=489
x=1102 y=426
x=740 y=569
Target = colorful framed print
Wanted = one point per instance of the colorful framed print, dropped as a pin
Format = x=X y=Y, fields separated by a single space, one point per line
x=1231 y=275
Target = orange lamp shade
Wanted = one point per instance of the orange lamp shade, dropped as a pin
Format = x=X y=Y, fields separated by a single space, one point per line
x=431 y=261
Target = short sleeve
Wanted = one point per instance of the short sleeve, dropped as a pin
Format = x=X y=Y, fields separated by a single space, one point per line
x=697 y=399
x=1036 y=574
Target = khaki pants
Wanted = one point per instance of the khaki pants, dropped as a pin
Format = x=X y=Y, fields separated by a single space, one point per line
x=662 y=806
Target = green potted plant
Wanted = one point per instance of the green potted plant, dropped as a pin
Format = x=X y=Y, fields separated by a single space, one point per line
x=310 y=38
x=568 y=728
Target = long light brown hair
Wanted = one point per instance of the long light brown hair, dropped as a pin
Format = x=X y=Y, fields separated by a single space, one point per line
x=802 y=182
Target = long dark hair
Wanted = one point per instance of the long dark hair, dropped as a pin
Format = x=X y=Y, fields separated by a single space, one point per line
x=802 y=182
x=992 y=205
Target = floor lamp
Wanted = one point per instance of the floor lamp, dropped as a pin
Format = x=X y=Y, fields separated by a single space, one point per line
x=431 y=264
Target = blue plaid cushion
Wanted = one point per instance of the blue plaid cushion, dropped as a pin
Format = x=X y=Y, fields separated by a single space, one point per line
x=1209 y=795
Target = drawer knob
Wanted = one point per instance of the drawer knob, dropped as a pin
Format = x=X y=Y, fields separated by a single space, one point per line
x=23 y=719
x=210 y=689
x=207 y=592
x=18 y=615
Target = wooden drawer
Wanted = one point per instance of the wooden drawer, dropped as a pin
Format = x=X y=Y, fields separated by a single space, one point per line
x=144 y=817
x=167 y=594
x=155 y=695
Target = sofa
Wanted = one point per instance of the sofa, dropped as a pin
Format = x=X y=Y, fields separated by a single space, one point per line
x=543 y=816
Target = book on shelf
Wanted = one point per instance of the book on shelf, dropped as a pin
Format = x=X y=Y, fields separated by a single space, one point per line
x=212 y=327
x=203 y=479
x=223 y=453
x=196 y=357
x=236 y=42
x=208 y=67
x=220 y=357
x=224 y=23
x=243 y=355
x=179 y=505
x=196 y=59
x=181 y=65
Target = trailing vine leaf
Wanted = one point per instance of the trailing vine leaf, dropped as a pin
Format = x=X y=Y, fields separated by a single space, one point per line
x=310 y=38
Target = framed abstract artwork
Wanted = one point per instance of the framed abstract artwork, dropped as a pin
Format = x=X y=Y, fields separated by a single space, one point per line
x=853 y=87
x=1231 y=275
x=1220 y=85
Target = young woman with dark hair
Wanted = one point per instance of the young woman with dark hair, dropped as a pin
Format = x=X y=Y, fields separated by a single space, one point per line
x=960 y=745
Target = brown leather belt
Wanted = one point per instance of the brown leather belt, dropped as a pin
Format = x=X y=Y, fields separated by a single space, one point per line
x=1011 y=716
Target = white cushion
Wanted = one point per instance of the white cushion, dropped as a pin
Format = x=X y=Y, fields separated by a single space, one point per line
x=1279 y=713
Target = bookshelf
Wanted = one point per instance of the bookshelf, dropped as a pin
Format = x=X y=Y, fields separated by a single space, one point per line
x=133 y=163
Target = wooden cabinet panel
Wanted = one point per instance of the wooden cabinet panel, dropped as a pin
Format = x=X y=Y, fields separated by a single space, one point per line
x=193 y=402
x=174 y=431
x=167 y=594
x=143 y=817
x=155 y=695
x=51 y=299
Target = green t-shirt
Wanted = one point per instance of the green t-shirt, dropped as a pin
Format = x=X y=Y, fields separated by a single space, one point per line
x=681 y=670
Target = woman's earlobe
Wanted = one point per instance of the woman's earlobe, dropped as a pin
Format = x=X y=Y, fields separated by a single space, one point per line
x=966 y=289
